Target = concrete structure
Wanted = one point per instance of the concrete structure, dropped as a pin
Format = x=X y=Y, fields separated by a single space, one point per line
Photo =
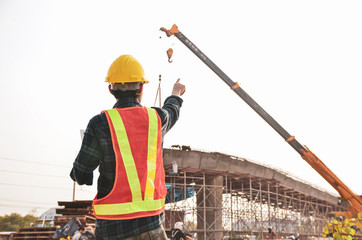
x=237 y=197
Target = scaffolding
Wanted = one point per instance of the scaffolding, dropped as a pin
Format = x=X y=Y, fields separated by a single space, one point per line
x=241 y=206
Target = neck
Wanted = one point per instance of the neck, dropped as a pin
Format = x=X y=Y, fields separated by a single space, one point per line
x=137 y=98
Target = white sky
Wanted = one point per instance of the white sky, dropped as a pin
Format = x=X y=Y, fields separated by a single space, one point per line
x=300 y=60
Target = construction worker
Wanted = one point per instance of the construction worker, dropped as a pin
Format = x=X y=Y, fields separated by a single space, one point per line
x=177 y=232
x=126 y=144
x=78 y=233
x=270 y=234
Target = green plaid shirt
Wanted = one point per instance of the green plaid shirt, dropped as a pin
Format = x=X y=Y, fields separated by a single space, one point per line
x=97 y=151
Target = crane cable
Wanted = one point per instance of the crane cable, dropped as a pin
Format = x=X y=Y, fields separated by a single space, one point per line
x=158 y=93
x=169 y=53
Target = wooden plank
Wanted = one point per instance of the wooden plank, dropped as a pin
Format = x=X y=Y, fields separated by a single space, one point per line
x=80 y=217
x=35 y=233
x=32 y=237
x=28 y=229
x=74 y=211
x=76 y=204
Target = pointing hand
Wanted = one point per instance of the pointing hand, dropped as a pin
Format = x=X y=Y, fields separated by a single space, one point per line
x=178 y=88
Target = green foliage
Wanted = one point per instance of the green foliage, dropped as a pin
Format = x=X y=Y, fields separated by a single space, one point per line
x=15 y=221
x=342 y=230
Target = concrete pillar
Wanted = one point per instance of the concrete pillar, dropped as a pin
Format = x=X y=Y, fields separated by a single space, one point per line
x=209 y=210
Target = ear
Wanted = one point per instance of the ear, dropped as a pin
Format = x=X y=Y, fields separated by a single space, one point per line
x=140 y=89
x=109 y=88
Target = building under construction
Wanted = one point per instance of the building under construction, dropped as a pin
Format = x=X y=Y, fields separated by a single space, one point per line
x=218 y=195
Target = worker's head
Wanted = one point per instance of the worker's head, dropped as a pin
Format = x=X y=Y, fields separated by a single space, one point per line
x=270 y=229
x=81 y=229
x=179 y=225
x=126 y=78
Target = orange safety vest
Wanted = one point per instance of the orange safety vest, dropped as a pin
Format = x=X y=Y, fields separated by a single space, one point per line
x=139 y=188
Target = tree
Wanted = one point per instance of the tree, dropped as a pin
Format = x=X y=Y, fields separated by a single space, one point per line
x=15 y=221
x=343 y=230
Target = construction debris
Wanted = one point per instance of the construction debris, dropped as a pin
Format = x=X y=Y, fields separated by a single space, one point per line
x=80 y=209
x=34 y=233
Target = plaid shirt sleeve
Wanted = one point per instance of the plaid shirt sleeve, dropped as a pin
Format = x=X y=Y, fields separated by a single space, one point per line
x=169 y=113
x=88 y=157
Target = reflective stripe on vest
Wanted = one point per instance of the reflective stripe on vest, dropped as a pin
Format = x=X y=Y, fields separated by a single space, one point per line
x=152 y=153
x=138 y=204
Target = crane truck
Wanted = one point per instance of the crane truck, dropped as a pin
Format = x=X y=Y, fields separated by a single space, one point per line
x=353 y=201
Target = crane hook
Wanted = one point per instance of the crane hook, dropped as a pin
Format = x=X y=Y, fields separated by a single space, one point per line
x=169 y=54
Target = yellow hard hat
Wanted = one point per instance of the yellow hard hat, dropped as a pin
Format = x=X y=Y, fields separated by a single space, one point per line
x=125 y=69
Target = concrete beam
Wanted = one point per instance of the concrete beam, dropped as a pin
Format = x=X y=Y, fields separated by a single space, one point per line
x=223 y=163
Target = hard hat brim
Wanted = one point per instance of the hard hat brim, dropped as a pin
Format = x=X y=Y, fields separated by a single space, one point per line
x=108 y=80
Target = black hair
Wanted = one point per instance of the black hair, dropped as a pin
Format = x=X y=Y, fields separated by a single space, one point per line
x=80 y=228
x=118 y=94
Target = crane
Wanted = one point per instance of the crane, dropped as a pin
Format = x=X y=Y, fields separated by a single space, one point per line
x=353 y=200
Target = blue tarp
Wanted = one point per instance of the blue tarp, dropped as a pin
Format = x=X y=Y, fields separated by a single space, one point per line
x=175 y=193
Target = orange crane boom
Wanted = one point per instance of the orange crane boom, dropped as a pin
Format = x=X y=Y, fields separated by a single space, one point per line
x=355 y=201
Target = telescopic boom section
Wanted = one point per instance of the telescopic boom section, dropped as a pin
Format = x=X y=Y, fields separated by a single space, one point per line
x=354 y=200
